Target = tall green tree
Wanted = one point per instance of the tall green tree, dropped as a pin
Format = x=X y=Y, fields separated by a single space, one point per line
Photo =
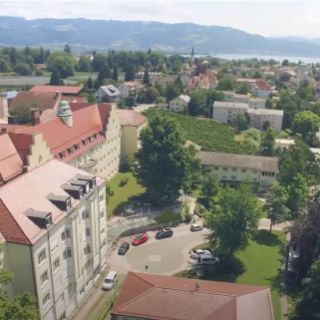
x=21 y=307
x=115 y=74
x=130 y=73
x=209 y=189
x=165 y=165
x=234 y=219
x=307 y=124
x=84 y=64
x=55 y=79
x=298 y=195
x=267 y=146
x=67 y=48
x=307 y=305
x=276 y=202
x=146 y=76
x=198 y=103
x=62 y=61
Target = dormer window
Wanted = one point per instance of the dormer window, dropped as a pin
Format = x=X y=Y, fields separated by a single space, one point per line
x=61 y=202
x=42 y=219
x=62 y=154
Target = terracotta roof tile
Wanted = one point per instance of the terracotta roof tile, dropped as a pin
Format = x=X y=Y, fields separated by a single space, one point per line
x=62 y=89
x=160 y=297
x=10 y=161
x=130 y=118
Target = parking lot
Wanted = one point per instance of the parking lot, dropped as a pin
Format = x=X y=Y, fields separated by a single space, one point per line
x=165 y=256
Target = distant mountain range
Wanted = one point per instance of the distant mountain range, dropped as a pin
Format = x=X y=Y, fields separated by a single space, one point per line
x=84 y=34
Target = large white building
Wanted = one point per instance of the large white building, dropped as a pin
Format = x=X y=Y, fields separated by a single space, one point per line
x=53 y=226
x=228 y=112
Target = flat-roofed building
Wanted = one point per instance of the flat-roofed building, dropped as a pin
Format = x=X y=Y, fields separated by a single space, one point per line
x=227 y=112
x=53 y=220
x=264 y=118
x=240 y=168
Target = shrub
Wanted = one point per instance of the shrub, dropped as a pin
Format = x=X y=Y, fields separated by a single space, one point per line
x=123 y=181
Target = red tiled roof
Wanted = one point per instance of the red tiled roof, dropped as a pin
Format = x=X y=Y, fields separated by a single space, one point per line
x=10 y=161
x=131 y=118
x=62 y=89
x=87 y=121
x=9 y=227
x=158 y=297
x=262 y=85
x=43 y=100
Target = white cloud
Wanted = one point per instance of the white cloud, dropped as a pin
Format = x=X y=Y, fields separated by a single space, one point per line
x=299 y=18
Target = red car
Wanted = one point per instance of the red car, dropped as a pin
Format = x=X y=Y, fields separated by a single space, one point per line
x=139 y=239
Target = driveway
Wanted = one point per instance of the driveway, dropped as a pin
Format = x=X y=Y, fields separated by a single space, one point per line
x=166 y=256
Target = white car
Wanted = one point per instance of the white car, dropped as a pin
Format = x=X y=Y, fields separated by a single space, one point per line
x=194 y=254
x=110 y=281
x=205 y=259
x=196 y=227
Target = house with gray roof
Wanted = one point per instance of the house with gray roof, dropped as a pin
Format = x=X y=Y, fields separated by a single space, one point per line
x=107 y=93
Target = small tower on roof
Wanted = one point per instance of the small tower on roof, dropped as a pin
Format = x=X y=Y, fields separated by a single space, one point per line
x=64 y=113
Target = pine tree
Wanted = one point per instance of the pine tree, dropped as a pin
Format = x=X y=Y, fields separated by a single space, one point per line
x=55 y=79
x=115 y=74
x=146 y=77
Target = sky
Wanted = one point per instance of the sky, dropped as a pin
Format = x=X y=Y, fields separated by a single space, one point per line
x=267 y=18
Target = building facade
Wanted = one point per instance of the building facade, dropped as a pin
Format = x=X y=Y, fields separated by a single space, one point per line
x=238 y=168
x=55 y=235
x=179 y=104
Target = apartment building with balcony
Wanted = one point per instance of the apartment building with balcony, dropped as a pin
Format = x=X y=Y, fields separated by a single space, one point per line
x=53 y=228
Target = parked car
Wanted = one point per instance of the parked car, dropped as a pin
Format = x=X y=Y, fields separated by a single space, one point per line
x=196 y=227
x=124 y=248
x=205 y=259
x=195 y=253
x=139 y=239
x=164 y=233
x=110 y=281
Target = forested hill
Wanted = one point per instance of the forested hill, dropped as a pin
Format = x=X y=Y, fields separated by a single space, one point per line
x=124 y=35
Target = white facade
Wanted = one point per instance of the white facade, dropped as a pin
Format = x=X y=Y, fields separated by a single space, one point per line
x=227 y=112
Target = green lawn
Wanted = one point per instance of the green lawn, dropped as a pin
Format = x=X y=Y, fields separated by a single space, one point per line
x=121 y=194
x=261 y=261
x=167 y=217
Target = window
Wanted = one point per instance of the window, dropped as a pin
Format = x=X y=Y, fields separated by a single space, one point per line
x=67 y=253
x=42 y=255
x=46 y=298
x=65 y=234
x=88 y=232
x=243 y=170
x=225 y=169
x=44 y=277
x=87 y=249
x=56 y=264
x=85 y=214
x=234 y=169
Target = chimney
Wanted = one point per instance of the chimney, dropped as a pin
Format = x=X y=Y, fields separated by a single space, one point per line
x=12 y=120
x=35 y=115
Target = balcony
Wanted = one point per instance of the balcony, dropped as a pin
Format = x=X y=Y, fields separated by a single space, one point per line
x=89 y=164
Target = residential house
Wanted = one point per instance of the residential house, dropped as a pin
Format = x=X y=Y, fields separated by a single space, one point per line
x=228 y=112
x=132 y=123
x=64 y=90
x=130 y=88
x=53 y=223
x=163 y=81
x=107 y=93
x=179 y=104
x=231 y=96
x=238 y=168
x=87 y=136
x=146 y=296
x=264 y=118
x=262 y=89
x=284 y=143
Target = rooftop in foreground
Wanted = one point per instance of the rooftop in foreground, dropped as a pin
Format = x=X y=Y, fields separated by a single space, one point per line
x=157 y=297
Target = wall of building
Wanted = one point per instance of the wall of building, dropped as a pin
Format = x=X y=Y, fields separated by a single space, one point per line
x=227 y=115
x=39 y=152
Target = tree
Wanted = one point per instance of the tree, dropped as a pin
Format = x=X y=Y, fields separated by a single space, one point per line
x=307 y=305
x=104 y=73
x=22 y=69
x=277 y=210
x=67 y=48
x=115 y=74
x=4 y=65
x=234 y=219
x=268 y=143
x=165 y=165
x=55 y=79
x=243 y=88
x=90 y=83
x=22 y=307
x=130 y=73
x=146 y=77
x=209 y=189
x=198 y=103
x=62 y=61
x=307 y=124
x=22 y=112
x=226 y=84
x=242 y=122
x=84 y=64
x=298 y=195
